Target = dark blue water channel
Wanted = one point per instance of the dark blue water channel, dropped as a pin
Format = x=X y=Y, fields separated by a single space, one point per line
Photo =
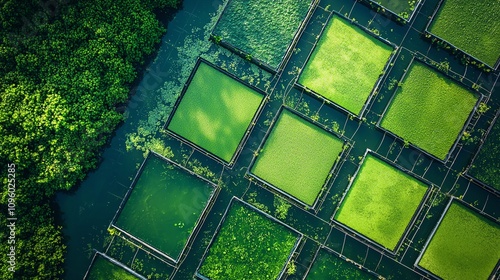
x=87 y=212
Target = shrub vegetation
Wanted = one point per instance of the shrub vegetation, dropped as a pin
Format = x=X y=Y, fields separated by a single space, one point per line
x=63 y=71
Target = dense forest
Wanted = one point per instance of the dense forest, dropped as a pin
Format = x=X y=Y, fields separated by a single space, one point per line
x=65 y=65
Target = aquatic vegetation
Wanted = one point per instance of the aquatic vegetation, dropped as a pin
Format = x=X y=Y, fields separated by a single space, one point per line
x=472 y=26
x=486 y=166
x=464 y=246
x=297 y=157
x=328 y=266
x=248 y=245
x=104 y=269
x=253 y=26
x=381 y=202
x=431 y=114
x=215 y=112
x=341 y=68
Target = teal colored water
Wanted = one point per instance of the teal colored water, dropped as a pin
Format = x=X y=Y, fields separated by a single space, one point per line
x=164 y=206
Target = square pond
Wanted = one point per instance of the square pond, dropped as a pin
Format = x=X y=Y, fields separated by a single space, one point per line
x=215 y=111
x=264 y=29
x=381 y=202
x=103 y=268
x=465 y=245
x=430 y=115
x=345 y=64
x=297 y=157
x=164 y=206
x=249 y=244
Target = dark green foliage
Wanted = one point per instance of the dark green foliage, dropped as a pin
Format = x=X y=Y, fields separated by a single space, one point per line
x=64 y=66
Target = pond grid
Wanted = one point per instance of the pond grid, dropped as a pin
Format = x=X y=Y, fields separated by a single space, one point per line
x=230 y=177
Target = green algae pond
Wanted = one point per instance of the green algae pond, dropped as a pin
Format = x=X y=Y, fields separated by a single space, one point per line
x=381 y=202
x=341 y=64
x=163 y=207
x=248 y=245
x=297 y=157
x=465 y=245
x=215 y=111
x=181 y=197
x=104 y=268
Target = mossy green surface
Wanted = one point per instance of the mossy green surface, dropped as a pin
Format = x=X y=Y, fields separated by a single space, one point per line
x=262 y=28
x=429 y=114
x=486 y=166
x=471 y=26
x=297 y=157
x=103 y=269
x=215 y=112
x=328 y=266
x=465 y=246
x=381 y=202
x=345 y=64
x=248 y=246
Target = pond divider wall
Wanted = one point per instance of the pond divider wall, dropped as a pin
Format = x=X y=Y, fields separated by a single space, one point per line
x=375 y=88
x=326 y=186
x=196 y=229
x=234 y=199
x=113 y=261
x=433 y=37
x=338 y=255
x=495 y=271
x=483 y=139
x=249 y=129
x=472 y=114
x=415 y=215
x=248 y=56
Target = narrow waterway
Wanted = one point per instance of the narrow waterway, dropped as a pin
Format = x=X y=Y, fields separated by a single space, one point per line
x=87 y=211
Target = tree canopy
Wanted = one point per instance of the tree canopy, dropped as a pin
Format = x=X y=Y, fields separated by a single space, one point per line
x=64 y=67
